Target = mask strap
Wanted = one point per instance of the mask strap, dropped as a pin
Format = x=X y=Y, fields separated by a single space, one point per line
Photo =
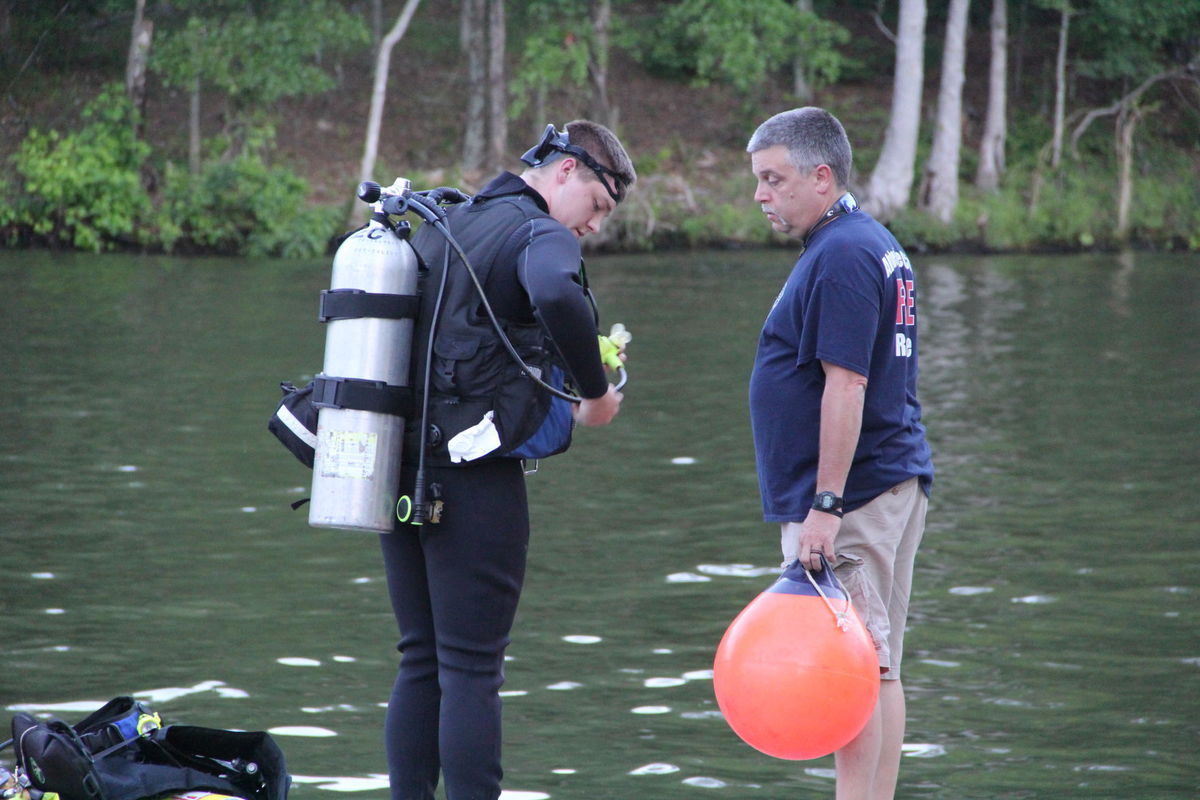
x=552 y=141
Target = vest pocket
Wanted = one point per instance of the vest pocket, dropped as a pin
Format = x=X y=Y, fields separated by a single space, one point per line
x=465 y=366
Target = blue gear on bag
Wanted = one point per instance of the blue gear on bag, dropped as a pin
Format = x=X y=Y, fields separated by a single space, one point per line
x=93 y=760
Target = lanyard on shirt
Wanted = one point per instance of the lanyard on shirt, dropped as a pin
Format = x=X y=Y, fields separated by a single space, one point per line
x=846 y=204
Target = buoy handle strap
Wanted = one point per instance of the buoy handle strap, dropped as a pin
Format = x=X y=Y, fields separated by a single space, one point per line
x=841 y=618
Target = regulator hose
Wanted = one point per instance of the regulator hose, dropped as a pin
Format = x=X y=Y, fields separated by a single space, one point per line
x=429 y=211
x=426 y=205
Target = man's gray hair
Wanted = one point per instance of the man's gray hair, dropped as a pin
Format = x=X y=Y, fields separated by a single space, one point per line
x=812 y=137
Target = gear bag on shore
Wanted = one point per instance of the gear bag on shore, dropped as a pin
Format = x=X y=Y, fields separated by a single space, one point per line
x=121 y=752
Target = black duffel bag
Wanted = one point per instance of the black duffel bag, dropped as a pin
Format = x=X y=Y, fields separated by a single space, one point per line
x=92 y=761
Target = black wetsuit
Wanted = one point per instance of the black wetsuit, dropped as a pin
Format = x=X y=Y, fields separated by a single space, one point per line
x=455 y=585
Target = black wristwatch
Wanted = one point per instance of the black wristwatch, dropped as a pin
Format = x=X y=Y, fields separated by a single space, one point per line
x=828 y=502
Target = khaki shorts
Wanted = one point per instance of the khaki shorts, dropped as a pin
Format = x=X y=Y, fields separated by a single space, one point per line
x=876 y=547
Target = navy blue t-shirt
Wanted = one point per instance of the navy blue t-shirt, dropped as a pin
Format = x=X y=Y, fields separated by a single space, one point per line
x=851 y=301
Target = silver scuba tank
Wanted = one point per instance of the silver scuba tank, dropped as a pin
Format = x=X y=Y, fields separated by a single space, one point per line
x=356 y=470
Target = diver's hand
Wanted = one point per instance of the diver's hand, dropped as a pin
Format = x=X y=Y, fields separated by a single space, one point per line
x=599 y=410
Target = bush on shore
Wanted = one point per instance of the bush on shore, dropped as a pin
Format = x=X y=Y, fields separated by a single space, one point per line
x=98 y=189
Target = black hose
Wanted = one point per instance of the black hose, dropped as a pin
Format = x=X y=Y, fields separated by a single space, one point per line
x=512 y=351
x=419 y=482
x=425 y=204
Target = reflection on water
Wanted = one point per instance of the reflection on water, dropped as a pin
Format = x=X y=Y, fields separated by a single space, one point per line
x=145 y=522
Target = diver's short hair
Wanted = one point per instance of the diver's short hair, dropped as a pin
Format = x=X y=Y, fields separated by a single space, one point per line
x=604 y=146
x=812 y=137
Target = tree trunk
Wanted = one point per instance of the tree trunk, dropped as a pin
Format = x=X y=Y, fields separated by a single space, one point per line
x=383 y=59
x=475 y=124
x=135 y=64
x=1022 y=43
x=801 y=86
x=941 y=171
x=539 y=112
x=376 y=25
x=194 y=127
x=6 y=44
x=891 y=182
x=1060 y=88
x=497 y=88
x=995 y=126
x=602 y=110
x=1127 y=120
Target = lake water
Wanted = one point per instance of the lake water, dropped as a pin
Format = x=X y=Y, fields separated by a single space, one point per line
x=1054 y=644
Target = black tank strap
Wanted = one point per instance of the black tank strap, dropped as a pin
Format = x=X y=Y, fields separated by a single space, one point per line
x=355 y=303
x=363 y=395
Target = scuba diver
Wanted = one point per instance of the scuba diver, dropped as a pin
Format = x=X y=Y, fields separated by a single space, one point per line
x=455 y=580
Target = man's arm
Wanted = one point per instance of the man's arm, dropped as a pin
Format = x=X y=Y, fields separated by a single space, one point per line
x=549 y=271
x=841 y=423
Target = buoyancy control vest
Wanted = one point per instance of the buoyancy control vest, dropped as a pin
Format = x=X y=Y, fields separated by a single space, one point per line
x=472 y=374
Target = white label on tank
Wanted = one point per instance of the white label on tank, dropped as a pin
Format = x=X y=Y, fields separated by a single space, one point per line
x=348 y=454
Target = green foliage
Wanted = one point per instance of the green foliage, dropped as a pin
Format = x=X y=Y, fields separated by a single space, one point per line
x=81 y=189
x=257 y=58
x=739 y=42
x=818 y=44
x=723 y=221
x=558 y=45
x=918 y=230
x=1076 y=209
x=243 y=206
x=1129 y=41
x=1168 y=209
x=671 y=210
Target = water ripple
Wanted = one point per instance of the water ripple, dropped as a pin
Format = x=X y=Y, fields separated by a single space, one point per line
x=657 y=768
x=933 y=662
x=298 y=662
x=151 y=696
x=702 y=715
x=914 y=750
x=737 y=570
x=327 y=709
x=344 y=783
x=687 y=577
x=309 y=731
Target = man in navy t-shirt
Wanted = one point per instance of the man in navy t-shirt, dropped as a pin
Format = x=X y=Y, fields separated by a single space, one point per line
x=843 y=463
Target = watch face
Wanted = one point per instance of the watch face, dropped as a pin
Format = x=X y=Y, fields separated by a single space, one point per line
x=825 y=499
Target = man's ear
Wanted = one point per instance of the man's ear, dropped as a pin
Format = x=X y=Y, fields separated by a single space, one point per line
x=565 y=167
x=825 y=179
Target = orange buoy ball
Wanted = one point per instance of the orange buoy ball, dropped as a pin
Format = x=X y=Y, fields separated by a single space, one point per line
x=796 y=674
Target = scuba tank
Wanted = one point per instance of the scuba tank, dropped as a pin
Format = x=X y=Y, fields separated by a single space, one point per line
x=363 y=391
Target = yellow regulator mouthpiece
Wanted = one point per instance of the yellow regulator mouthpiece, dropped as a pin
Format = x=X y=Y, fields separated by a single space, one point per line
x=610 y=346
